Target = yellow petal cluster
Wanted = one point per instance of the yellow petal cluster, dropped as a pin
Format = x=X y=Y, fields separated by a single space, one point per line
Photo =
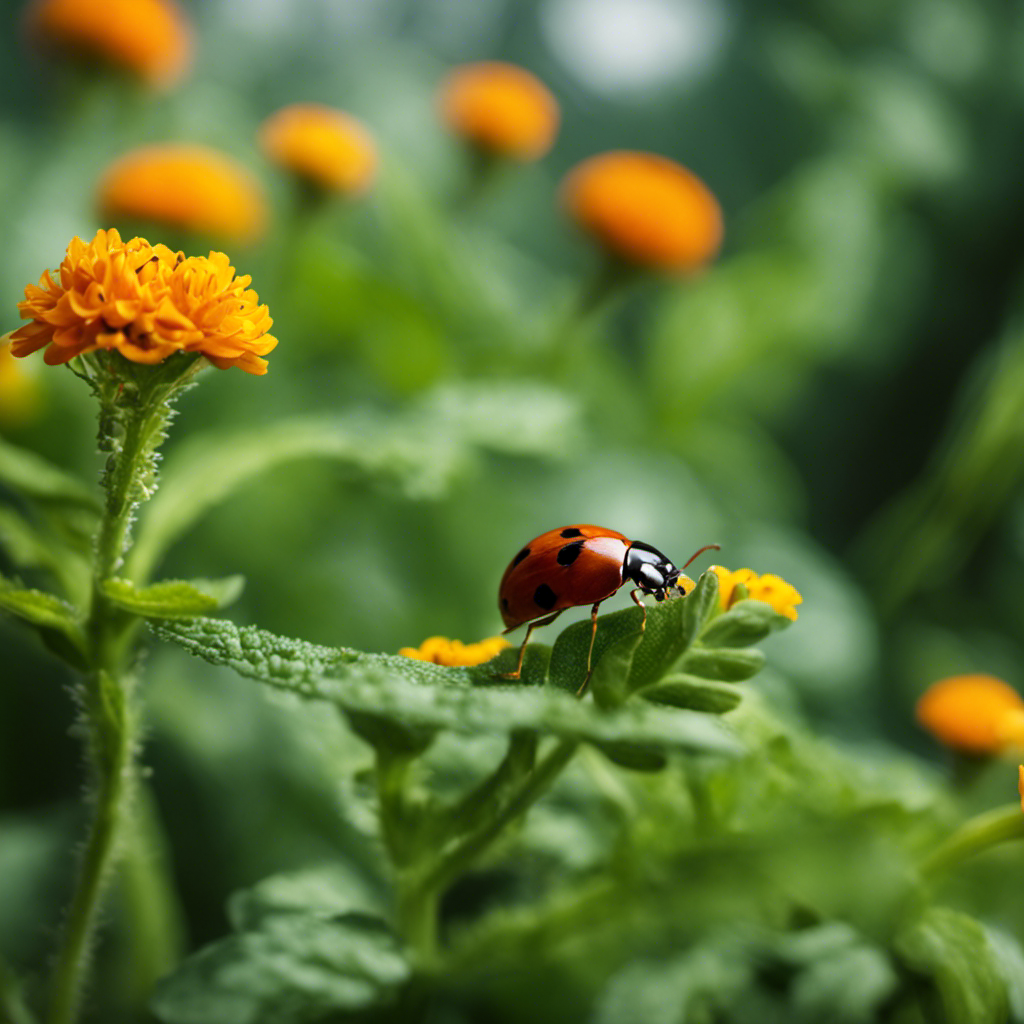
x=185 y=187
x=145 y=302
x=772 y=589
x=501 y=108
x=442 y=651
x=324 y=146
x=977 y=714
x=150 y=38
x=645 y=209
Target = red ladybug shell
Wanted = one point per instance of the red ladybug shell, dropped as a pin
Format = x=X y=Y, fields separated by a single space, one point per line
x=560 y=569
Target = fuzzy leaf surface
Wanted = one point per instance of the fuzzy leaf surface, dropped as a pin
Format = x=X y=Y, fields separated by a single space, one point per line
x=417 y=694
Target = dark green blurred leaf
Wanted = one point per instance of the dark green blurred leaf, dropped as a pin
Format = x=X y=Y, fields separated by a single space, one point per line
x=953 y=951
x=174 y=599
x=295 y=968
x=33 y=477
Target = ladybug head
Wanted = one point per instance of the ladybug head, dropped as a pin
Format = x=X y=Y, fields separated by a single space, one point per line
x=653 y=573
x=650 y=570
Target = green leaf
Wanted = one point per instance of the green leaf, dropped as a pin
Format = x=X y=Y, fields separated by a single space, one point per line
x=729 y=665
x=29 y=548
x=174 y=599
x=295 y=968
x=638 y=660
x=746 y=623
x=683 y=691
x=41 y=609
x=33 y=477
x=417 y=694
x=700 y=605
x=953 y=951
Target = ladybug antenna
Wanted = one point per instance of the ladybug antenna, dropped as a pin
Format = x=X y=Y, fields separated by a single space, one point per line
x=700 y=551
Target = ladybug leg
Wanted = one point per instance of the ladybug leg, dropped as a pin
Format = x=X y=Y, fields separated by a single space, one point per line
x=526 y=639
x=640 y=601
x=590 y=651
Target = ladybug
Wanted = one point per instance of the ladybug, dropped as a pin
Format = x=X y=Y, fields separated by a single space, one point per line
x=582 y=564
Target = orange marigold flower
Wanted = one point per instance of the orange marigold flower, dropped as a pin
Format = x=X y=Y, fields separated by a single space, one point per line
x=442 y=651
x=772 y=589
x=146 y=302
x=501 y=108
x=645 y=209
x=322 y=145
x=977 y=714
x=185 y=187
x=151 y=38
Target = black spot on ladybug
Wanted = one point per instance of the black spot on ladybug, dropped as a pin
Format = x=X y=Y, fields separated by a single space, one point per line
x=504 y=603
x=571 y=531
x=544 y=597
x=569 y=554
x=522 y=554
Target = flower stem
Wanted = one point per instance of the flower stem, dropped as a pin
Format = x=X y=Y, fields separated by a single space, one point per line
x=130 y=431
x=976 y=835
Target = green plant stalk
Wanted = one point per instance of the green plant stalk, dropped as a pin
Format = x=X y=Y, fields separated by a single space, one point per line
x=420 y=880
x=980 y=833
x=107 y=694
x=531 y=788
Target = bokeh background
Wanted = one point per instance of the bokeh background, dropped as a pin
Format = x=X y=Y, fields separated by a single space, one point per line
x=838 y=398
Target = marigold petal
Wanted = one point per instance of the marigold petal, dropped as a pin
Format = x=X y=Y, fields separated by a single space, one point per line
x=501 y=108
x=148 y=37
x=976 y=713
x=185 y=187
x=645 y=209
x=146 y=303
x=322 y=145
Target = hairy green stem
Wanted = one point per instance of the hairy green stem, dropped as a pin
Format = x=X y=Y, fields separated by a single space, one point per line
x=980 y=833
x=130 y=431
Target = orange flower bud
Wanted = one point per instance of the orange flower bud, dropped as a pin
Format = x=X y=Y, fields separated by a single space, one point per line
x=322 y=145
x=500 y=108
x=150 y=38
x=977 y=714
x=645 y=209
x=186 y=187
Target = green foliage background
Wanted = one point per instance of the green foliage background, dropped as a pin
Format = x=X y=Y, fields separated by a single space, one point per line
x=837 y=400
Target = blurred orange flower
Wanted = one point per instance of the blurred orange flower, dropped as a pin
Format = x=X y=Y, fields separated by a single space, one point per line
x=772 y=589
x=645 y=209
x=151 y=38
x=185 y=187
x=322 y=145
x=442 y=651
x=146 y=302
x=978 y=714
x=501 y=108
x=19 y=391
